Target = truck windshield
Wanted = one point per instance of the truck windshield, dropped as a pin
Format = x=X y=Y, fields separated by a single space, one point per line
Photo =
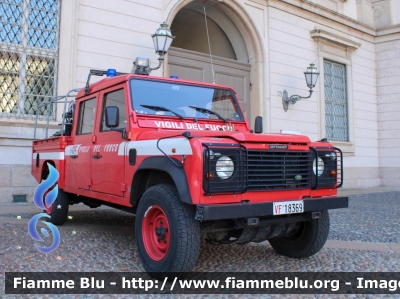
x=179 y=97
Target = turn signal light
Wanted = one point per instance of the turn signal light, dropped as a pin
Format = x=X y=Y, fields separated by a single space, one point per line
x=332 y=173
x=210 y=176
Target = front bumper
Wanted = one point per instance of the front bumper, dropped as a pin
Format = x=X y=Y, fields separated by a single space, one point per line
x=246 y=210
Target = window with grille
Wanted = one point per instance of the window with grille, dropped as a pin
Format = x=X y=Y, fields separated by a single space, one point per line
x=336 y=106
x=29 y=31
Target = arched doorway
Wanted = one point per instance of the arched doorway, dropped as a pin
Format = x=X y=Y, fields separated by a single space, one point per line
x=189 y=54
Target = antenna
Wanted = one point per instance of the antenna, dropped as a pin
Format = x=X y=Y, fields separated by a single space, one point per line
x=209 y=46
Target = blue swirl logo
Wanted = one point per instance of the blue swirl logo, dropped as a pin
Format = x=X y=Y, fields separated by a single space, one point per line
x=42 y=199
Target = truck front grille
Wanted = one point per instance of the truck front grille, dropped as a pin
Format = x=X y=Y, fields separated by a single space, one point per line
x=280 y=170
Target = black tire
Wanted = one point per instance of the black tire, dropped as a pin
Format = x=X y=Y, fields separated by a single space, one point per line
x=305 y=240
x=184 y=231
x=60 y=208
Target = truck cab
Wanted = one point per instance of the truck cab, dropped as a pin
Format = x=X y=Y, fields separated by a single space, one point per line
x=182 y=157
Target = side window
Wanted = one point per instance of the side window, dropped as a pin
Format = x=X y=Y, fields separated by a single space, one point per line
x=87 y=110
x=115 y=98
x=336 y=106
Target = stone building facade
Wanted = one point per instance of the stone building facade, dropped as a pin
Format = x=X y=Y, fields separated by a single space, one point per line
x=259 y=47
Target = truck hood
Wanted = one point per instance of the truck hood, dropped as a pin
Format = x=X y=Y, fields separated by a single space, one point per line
x=237 y=136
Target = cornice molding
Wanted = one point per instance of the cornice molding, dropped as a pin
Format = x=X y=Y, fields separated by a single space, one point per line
x=326 y=36
x=388 y=30
x=316 y=9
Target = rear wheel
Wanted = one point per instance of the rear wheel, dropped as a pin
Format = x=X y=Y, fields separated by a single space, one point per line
x=305 y=240
x=167 y=234
x=58 y=211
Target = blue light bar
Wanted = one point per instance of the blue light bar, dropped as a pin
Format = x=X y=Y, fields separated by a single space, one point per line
x=173 y=77
x=111 y=73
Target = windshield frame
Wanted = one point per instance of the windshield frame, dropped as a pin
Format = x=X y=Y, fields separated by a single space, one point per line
x=235 y=102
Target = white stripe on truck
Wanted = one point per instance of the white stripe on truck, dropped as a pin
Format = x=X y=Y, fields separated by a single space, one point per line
x=171 y=146
x=49 y=156
x=149 y=147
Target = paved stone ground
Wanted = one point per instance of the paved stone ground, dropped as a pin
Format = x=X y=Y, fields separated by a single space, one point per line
x=371 y=218
x=363 y=238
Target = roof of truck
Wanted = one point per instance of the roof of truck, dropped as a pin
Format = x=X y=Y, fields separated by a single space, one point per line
x=111 y=81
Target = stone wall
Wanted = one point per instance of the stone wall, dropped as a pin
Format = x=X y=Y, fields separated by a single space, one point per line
x=16 y=180
x=388 y=79
x=296 y=40
x=361 y=177
x=16 y=136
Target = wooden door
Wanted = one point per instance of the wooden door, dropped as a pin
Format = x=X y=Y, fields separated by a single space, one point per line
x=190 y=65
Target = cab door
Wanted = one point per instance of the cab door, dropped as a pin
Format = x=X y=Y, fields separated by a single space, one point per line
x=107 y=166
x=78 y=157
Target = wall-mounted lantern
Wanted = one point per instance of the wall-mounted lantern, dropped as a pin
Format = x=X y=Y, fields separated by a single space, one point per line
x=162 y=40
x=311 y=75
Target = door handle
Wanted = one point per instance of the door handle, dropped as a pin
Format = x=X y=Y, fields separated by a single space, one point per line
x=74 y=156
x=96 y=156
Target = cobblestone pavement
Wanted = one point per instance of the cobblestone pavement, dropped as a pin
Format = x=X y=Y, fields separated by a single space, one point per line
x=103 y=240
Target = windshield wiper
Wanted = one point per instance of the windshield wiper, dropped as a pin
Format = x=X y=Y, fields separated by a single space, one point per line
x=159 y=108
x=208 y=111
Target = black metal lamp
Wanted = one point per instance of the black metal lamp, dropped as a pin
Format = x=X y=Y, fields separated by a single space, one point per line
x=311 y=75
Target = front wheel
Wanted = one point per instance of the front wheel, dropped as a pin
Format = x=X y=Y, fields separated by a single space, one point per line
x=167 y=234
x=305 y=240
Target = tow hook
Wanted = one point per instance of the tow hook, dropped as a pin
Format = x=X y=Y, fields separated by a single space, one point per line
x=252 y=221
x=315 y=215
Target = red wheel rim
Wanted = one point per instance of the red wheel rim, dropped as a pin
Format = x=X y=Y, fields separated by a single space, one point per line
x=155 y=233
x=48 y=209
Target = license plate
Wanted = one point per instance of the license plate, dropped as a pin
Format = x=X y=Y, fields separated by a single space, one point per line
x=288 y=207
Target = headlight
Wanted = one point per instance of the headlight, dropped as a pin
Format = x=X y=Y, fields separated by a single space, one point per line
x=224 y=167
x=321 y=166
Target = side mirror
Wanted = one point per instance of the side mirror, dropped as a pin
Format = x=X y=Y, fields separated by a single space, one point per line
x=112 y=117
x=258 y=126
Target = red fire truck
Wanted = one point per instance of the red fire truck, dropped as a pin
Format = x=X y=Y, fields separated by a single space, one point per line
x=181 y=156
